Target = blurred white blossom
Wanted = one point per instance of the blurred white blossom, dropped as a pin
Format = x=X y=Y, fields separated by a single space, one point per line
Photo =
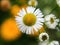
x=33 y=3
x=43 y=37
x=51 y=21
x=54 y=43
x=58 y=2
x=43 y=43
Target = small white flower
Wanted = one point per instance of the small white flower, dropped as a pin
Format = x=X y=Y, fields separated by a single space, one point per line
x=29 y=19
x=51 y=21
x=43 y=43
x=43 y=37
x=33 y=2
x=54 y=43
x=58 y=2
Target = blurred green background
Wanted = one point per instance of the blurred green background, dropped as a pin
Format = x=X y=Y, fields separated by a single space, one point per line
x=47 y=7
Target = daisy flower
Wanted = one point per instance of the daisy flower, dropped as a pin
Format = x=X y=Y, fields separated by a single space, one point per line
x=58 y=2
x=54 y=43
x=51 y=21
x=43 y=37
x=29 y=19
x=33 y=2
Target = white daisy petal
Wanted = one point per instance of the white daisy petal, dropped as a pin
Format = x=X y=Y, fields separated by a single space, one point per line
x=35 y=28
x=22 y=12
x=30 y=30
x=23 y=29
x=38 y=26
x=19 y=14
x=27 y=31
x=40 y=15
x=19 y=22
x=37 y=12
x=41 y=19
x=18 y=19
x=30 y=9
x=39 y=23
x=20 y=27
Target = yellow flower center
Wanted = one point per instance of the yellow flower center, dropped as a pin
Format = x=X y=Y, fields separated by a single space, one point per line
x=52 y=20
x=33 y=3
x=29 y=19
